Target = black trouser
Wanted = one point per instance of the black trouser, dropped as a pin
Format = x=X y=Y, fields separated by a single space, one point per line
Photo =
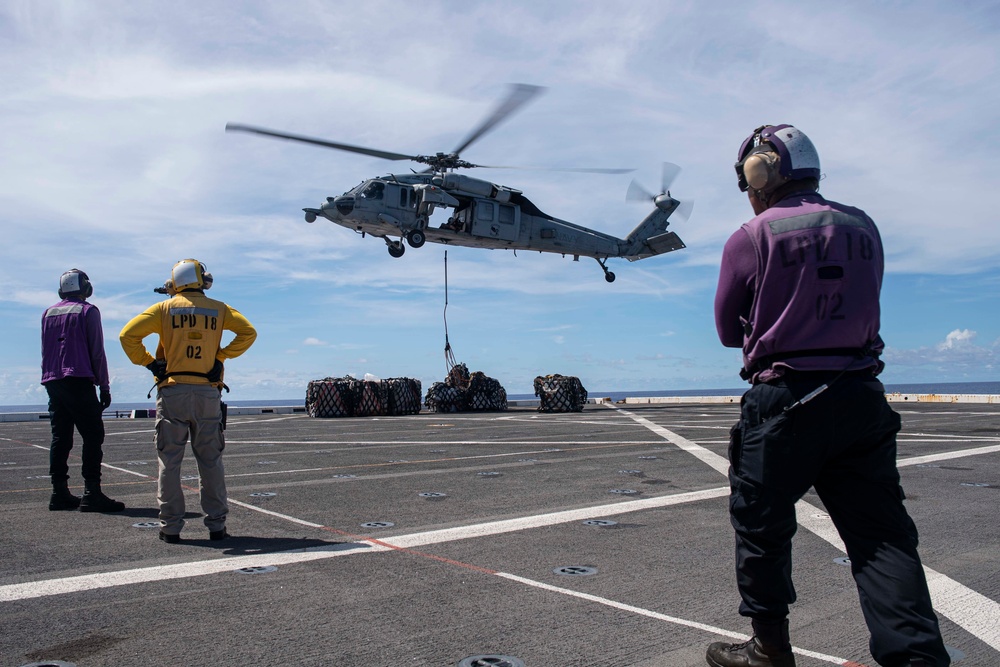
x=842 y=443
x=73 y=403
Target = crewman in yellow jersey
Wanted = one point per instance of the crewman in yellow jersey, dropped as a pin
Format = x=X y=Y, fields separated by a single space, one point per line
x=189 y=385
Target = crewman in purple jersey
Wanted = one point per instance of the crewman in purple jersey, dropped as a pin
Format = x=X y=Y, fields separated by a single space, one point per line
x=73 y=362
x=799 y=293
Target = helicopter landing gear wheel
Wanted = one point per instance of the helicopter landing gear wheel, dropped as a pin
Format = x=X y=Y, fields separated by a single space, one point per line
x=415 y=238
x=396 y=248
x=608 y=275
x=310 y=217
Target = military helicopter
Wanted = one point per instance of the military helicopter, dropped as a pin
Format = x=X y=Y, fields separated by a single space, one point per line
x=481 y=214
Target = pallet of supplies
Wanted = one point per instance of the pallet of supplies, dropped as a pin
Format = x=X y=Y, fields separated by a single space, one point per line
x=331 y=397
x=370 y=397
x=560 y=393
x=402 y=396
x=462 y=391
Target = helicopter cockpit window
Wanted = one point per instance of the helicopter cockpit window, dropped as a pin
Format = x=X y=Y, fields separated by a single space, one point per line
x=374 y=191
x=404 y=197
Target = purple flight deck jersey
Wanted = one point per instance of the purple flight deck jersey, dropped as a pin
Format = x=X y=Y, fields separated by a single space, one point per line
x=804 y=275
x=73 y=343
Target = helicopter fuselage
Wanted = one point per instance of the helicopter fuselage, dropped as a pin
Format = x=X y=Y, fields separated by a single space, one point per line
x=481 y=215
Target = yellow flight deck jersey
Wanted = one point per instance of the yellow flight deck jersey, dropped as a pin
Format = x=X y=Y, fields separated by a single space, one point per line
x=190 y=327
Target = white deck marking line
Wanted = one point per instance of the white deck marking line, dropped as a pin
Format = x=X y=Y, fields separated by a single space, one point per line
x=945 y=456
x=660 y=617
x=385 y=464
x=34 y=589
x=230 y=424
x=941 y=441
x=88 y=582
x=972 y=611
x=565 y=421
x=947 y=436
x=706 y=456
x=439 y=443
x=286 y=517
x=257 y=421
x=107 y=465
x=550 y=519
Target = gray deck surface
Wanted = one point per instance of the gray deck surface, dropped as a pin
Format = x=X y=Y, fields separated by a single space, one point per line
x=471 y=572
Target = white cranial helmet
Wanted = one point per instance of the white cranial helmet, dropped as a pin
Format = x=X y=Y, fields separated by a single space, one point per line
x=188 y=274
x=75 y=283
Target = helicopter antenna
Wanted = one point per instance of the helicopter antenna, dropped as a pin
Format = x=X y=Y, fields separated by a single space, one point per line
x=449 y=354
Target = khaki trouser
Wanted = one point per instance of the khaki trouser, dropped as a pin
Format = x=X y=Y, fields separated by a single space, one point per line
x=182 y=409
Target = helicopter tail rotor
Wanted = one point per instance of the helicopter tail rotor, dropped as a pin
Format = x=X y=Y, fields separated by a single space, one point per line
x=681 y=210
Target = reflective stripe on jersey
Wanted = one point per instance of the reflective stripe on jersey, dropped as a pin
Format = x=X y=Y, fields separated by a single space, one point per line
x=56 y=311
x=210 y=312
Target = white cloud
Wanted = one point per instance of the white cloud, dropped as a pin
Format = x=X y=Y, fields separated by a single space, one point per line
x=956 y=358
x=958 y=339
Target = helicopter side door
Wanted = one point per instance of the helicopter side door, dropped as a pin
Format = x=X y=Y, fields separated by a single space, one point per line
x=494 y=220
x=400 y=197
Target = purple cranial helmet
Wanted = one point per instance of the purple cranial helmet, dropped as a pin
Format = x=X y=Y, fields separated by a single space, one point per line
x=774 y=155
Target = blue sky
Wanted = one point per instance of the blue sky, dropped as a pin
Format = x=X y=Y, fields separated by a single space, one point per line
x=115 y=161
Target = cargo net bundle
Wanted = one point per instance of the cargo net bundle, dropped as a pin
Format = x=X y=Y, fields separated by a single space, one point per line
x=350 y=397
x=462 y=391
x=560 y=393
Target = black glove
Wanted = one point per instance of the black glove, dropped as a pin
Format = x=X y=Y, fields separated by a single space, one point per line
x=215 y=375
x=159 y=370
x=105 y=399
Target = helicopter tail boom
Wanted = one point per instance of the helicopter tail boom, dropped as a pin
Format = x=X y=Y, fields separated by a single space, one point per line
x=651 y=237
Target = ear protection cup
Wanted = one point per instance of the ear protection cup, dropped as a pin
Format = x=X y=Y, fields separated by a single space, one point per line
x=786 y=154
x=763 y=171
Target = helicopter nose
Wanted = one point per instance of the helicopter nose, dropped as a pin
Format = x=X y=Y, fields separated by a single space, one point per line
x=342 y=204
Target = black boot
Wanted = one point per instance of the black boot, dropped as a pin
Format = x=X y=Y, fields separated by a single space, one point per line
x=94 y=500
x=769 y=647
x=61 y=498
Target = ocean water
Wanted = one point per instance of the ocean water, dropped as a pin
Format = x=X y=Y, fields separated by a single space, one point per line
x=929 y=388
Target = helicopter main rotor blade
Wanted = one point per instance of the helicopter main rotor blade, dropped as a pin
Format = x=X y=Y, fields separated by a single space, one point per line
x=235 y=127
x=520 y=93
x=577 y=170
